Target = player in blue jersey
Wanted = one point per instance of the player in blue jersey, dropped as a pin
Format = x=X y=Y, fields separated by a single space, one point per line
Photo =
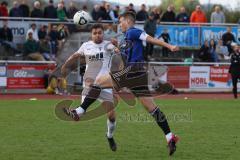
x=132 y=75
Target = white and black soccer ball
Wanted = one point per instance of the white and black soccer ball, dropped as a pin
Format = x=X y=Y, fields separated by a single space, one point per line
x=81 y=18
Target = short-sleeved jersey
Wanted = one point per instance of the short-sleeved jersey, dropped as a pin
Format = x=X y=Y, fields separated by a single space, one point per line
x=135 y=53
x=96 y=56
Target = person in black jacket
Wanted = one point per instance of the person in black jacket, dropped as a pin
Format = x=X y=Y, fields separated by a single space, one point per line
x=15 y=11
x=228 y=38
x=37 y=12
x=182 y=16
x=142 y=15
x=169 y=15
x=6 y=36
x=50 y=11
x=204 y=52
x=24 y=9
x=150 y=27
x=166 y=38
x=234 y=69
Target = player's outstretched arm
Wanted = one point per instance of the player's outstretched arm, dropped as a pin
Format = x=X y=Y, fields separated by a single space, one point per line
x=69 y=61
x=158 y=42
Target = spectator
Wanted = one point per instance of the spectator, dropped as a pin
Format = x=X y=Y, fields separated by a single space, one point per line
x=53 y=35
x=42 y=33
x=37 y=12
x=72 y=10
x=212 y=50
x=85 y=8
x=34 y=32
x=63 y=33
x=61 y=13
x=157 y=14
x=64 y=8
x=50 y=11
x=204 y=54
x=103 y=10
x=228 y=38
x=222 y=51
x=234 y=68
x=31 y=48
x=45 y=48
x=6 y=33
x=15 y=11
x=169 y=15
x=182 y=16
x=217 y=16
x=116 y=11
x=150 y=27
x=166 y=38
x=110 y=13
x=3 y=9
x=109 y=32
x=24 y=9
x=131 y=8
x=198 y=16
x=142 y=15
x=97 y=14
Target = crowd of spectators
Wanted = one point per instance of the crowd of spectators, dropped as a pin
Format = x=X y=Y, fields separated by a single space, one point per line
x=105 y=11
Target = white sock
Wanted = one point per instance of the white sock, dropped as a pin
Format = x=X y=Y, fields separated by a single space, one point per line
x=80 y=110
x=110 y=128
x=169 y=136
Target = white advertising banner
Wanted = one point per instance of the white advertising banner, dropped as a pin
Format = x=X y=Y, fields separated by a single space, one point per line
x=199 y=76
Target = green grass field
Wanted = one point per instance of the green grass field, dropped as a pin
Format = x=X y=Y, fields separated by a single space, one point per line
x=209 y=129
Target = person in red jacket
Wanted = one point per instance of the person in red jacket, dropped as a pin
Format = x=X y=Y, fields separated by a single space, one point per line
x=3 y=9
x=198 y=16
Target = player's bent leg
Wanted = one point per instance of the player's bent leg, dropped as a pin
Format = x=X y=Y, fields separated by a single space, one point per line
x=104 y=81
x=162 y=122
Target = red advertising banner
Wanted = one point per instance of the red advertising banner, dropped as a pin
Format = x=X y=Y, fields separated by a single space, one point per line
x=27 y=76
x=219 y=74
x=178 y=76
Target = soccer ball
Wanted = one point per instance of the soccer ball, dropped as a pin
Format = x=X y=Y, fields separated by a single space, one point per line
x=81 y=18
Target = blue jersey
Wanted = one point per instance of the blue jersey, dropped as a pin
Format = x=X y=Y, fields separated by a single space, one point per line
x=135 y=52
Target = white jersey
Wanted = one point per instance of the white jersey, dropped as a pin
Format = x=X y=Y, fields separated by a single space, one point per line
x=97 y=58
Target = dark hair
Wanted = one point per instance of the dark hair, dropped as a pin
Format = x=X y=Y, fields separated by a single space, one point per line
x=4 y=3
x=96 y=26
x=129 y=15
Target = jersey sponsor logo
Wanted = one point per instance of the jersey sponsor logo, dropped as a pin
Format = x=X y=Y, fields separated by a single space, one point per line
x=96 y=57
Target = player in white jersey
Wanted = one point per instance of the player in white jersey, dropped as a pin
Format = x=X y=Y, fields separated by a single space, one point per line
x=96 y=53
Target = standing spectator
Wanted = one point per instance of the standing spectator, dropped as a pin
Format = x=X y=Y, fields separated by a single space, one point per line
x=116 y=11
x=50 y=11
x=71 y=10
x=110 y=13
x=31 y=48
x=217 y=16
x=6 y=32
x=212 y=50
x=97 y=14
x=24 y=9
x=198 y=16
x=182 y=16
x=157 y=14
x=15 y=11
x=222 y=51
x=64 y=8
x=142 y=15
x=204 y=54
x=34 y=31
x=53 y=35
x=3 y=9
x=42 y=33
x=228 y=38
x=150 y=27
x=61 y=13
x=103 y=10
x=166 y=38
x=131 y=8
x=37 y=12
x=234 y=69
x=169 y=15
